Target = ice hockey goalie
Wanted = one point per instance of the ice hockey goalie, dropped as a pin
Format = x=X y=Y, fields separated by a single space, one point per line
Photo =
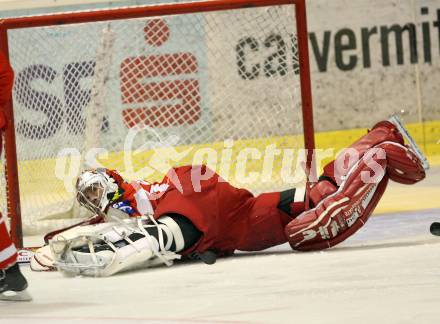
x=194 y=214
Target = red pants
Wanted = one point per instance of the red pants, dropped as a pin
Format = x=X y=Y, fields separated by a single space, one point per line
x=229 y=218
x=8 y=252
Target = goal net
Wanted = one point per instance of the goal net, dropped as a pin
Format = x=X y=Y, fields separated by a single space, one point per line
x=143 y=89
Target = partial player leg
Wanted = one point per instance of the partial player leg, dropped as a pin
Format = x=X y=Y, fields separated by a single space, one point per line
x=12 y=283
x=8 y=252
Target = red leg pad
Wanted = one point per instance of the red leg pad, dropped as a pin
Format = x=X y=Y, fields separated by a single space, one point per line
x=341 y=214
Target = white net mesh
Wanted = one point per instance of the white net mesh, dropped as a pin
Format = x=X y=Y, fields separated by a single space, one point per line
x=220 y=88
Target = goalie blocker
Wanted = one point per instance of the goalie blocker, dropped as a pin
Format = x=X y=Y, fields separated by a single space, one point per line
x=348 y=192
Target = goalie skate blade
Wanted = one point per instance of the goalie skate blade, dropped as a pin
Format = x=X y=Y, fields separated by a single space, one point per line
x=402 y=129
x=435 y=229
x=10 y=295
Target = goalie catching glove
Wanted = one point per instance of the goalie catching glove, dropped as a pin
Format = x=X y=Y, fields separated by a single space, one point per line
x=347 y=193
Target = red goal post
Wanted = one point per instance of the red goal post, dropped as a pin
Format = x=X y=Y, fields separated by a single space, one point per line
x=13 y=192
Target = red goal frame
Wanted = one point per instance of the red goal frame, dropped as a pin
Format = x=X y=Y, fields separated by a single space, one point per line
x=11 y=169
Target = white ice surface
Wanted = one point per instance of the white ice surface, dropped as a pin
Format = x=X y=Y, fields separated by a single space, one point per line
x=389 y=272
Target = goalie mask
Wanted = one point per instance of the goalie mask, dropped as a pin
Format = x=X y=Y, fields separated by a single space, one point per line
x=95 y=189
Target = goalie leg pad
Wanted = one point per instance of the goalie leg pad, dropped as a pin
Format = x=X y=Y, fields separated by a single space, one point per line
x=107 y=262
x=110 y=248
x=341 y=214
x=43 y=260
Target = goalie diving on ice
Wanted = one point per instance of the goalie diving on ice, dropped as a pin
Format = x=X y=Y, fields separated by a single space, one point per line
x=189 y=217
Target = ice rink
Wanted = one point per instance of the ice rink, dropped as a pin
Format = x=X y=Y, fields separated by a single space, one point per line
x=389 y=272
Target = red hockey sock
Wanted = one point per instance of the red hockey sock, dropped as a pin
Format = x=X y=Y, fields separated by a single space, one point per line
x=8 y=252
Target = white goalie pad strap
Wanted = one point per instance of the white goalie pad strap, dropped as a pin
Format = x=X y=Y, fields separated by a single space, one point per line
x=115 y=233
x=161 y=228
x=175 y=232
x=300 y=193
x=162 y=254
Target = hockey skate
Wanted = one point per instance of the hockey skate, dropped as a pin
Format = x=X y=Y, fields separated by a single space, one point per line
x=13 y=285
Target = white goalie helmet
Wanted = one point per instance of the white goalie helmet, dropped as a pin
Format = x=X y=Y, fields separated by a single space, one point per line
x=94 y=189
